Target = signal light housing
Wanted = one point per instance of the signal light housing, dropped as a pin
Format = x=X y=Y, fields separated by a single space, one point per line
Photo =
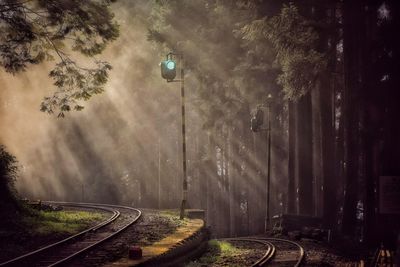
x=257 y=120
x=168 y=69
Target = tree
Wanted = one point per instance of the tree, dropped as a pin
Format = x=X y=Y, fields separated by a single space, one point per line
x=38 y=30
x=35 y=31
x=8 y=173
x=294 y=40
x=301 y=34
x=371 y=130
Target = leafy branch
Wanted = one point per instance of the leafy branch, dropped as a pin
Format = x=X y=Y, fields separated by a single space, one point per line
x=35 y=30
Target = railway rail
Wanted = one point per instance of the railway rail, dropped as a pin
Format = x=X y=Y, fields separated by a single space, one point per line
x=62 y=252
x=278 y=252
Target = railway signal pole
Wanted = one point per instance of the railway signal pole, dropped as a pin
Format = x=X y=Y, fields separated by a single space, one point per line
x=256 y=123
x=168 y=72
x=267 y=221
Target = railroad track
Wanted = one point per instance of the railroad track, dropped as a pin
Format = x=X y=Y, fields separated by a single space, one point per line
x=278 y=252
x=62 y=252
x=288 y=253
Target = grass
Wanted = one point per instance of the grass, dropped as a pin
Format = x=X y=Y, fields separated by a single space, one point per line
x=170 y=212
x=225 y=247
x=44 y=223
x=217 y=251
x=30 y=228
x=173 y=214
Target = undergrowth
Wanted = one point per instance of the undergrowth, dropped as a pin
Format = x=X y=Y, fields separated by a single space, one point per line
x=64 y=222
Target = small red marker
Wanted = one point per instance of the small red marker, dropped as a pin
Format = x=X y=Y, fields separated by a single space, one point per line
x=135 y=253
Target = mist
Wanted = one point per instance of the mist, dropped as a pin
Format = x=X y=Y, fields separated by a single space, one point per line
x=125 y=146
x=94 y=148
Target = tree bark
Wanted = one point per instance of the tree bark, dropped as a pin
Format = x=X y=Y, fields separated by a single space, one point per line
x=351 y=119
x=304 y=156
x=317 y=156
x=291 y=195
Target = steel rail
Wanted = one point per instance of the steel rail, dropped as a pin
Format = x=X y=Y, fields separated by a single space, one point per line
x=270 y=252
x=64 y=260
x=106 y=207
x=301 y=249
x=114 y=216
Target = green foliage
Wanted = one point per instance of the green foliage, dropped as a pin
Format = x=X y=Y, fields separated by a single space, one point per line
x=8 y=175
x=8 y=195
x=294 y=41
x=34 y=31
x=173 y=216
x=224 y=247
x=300 y=72
x=217 y=253
x=75 y=83
x=64 y=222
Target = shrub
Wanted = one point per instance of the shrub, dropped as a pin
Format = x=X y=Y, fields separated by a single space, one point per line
x=8 y=175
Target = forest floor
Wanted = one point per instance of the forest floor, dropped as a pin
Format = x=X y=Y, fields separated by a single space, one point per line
x=320 y=253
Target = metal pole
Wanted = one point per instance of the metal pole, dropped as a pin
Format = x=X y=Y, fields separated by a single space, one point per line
x=83 y=192
x=184 y=183
x=159 y=173
x=267 y=223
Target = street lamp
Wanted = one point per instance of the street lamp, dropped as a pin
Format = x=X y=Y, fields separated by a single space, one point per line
x=168 y=72
x=256 y=123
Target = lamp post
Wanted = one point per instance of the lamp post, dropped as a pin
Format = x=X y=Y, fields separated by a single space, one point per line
x=256 y=123
x=268 y=103
x=168 y=72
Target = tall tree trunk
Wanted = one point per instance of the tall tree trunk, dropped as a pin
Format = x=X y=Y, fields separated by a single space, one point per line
x=209 y=173
x=279 y=158
x=224 y=197
x=317 y=155
x=327 y=106
x=304 y=156
x=258 y=196
x=231 y=181
x=370 y=123
x=159 y=172
x=327 y=132
x=351 y=105
x=291 y=194
x=203 y=175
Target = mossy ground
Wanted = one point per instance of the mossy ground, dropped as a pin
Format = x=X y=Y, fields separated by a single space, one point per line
x=222 y=253
x=31 y=229
x=63 y=222
x=173 y=215
x=217 y=250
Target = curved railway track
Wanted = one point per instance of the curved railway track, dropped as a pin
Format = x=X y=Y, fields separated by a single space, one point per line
x=288 y=253
x=63 y=251
x=278 y=252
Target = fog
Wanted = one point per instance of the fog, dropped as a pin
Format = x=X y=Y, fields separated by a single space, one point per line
x=94 y=147
x=125 y=146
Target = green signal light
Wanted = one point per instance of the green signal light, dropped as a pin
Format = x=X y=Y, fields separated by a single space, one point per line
x=168 y=69
x=171 y=65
